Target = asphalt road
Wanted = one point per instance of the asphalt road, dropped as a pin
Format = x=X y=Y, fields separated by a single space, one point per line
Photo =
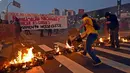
x=114 y=61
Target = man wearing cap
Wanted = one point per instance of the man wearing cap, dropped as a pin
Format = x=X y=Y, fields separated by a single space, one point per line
x=113 y=27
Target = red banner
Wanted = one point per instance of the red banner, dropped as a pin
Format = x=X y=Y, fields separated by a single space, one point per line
x=40 y=21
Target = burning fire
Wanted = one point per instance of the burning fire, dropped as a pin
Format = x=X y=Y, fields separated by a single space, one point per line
x=119 y=37
x=124 y=40
x=57 y=49
x=109 y=37
x=24 y=60
x=68 y=46
x=101 y=39
x=23 y=57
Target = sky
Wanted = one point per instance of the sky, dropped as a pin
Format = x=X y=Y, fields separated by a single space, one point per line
x=46 y=6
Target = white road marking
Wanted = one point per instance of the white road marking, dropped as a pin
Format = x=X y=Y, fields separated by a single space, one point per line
x=45 y=48
x=124 y=48
x=71 y=65
x=125 y=44
x=114 y=64
x=113 y=52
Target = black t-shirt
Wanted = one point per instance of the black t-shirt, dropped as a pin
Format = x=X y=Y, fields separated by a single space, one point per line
x=114 y=22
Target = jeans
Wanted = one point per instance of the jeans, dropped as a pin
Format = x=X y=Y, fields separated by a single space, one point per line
x=90 y=40
x=114 y=37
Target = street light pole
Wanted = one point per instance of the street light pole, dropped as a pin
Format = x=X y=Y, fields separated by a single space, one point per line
x=7 y=10
x=118 y=8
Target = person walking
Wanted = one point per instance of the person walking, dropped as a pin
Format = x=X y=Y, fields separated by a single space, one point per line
x=91 y=37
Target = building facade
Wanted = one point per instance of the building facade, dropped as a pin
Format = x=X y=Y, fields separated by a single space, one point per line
x=68 y=12
x=71 y=13
x=125 y=8
x=81 y=11
x=64 y=12
x=56 y=11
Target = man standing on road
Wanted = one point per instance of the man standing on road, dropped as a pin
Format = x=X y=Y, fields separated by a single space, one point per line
x=49 y=32
x=91 y=37
x=17 y=29
x=41 y=33
x=0 y=21
x=113 y=27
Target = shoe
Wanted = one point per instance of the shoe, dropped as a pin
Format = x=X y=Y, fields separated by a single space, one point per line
x=96 y=64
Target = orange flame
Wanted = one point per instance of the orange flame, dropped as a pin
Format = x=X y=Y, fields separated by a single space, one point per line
x=68 y=46
x=101 y=39
x=23 y=57
x=124 y=40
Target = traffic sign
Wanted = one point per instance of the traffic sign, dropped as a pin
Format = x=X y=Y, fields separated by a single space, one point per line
x=16 y=4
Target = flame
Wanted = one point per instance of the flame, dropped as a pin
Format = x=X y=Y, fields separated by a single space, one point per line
x=58 y=49
x=101 y=39
x=109 y=38
x=23 y=57
x=124 y=40
x=119 y=37
x=22 y=44
x=68 y=46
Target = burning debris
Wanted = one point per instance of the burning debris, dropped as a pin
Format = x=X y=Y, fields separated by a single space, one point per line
x=25 y=60
x=103 y=41
x=64 y=50
x=68 y=48
x=57 y=50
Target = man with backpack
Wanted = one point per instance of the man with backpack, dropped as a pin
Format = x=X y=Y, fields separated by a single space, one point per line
x=91 y=32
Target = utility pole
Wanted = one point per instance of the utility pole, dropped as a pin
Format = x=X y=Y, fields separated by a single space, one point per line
x=7 y=10
x=118 y=8
x=16 y=4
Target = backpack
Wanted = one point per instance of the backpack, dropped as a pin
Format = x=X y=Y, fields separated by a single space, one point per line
x=95 y=25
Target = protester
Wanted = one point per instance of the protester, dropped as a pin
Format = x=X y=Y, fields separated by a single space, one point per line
x=113 y=27
x=56 y=31
x=49 y=32
x=11 y=22
x=17 y=28
x=91 y=37
x=41 y=33
x=27 y=32
x=0 y=21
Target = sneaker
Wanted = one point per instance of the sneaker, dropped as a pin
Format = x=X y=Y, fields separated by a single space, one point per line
x=96 y=64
